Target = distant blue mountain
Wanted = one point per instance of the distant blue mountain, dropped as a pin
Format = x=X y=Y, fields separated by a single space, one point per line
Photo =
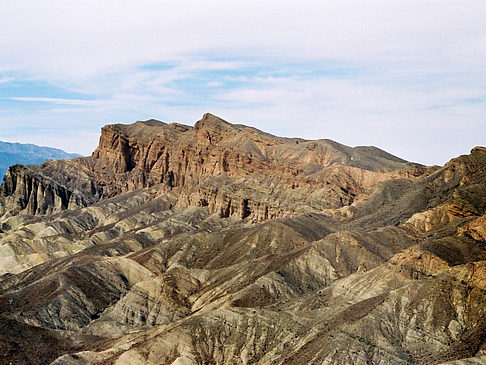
x=28 y=154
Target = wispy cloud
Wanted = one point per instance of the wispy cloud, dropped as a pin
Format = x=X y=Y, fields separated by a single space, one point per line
x=4 y=80
x=406 y=76
x=55 y=100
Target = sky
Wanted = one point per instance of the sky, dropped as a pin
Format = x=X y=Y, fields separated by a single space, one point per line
x=406 y=76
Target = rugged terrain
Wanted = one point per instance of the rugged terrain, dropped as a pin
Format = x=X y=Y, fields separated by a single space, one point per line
x=221 y=244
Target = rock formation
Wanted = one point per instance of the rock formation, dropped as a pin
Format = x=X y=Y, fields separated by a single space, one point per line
x=222 y=244
x=228 y=168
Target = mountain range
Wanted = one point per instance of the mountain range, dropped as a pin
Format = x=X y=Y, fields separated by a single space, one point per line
x=221 y=244
x=28 y=154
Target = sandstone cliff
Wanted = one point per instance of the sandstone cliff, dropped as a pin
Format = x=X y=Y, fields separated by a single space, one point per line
x=34 y=190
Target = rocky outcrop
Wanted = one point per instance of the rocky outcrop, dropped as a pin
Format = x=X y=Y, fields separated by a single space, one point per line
x=475 y=229
x=179 y=155
x=29 y=191
x=295 y=174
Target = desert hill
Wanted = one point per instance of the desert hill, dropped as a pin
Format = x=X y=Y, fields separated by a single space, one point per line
x=222 y=244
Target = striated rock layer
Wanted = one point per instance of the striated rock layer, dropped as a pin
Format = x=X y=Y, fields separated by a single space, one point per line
x=221 y=244
x=231 y=169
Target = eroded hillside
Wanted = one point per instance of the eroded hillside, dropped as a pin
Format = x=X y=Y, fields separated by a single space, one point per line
x=222 y=244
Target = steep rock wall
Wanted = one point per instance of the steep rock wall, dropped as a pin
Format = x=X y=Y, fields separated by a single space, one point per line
x=32 y=193
x=288 y=175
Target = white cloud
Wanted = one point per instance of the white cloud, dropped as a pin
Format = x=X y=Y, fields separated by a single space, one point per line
x=5 y=80
x=416 y=68
x=215 y=84
x=55 y=100
x=79 y=39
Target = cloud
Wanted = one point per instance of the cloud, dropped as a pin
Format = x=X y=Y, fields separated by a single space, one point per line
x=79 y=39
x=406 y=76
x=5 y=80
x=55 y=100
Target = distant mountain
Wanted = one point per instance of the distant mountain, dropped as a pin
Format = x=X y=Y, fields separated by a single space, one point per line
x=28 y=154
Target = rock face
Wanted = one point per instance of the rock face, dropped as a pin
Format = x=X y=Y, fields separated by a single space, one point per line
x=221 y=244
x=228 y=168
x=33 y=191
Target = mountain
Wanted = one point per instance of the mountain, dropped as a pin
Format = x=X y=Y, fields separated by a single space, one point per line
x=208 y=163
x=222 y=244
x=28 y=154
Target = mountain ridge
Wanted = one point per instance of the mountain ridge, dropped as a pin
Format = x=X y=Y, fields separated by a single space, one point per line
x=141 y=155
x=28 y=154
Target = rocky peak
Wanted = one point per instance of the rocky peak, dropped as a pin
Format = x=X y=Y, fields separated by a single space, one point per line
x=152 y=123
x=212 y=129
x=139 y=129
x=211 y=122
x=324 y=174
x=478 y=149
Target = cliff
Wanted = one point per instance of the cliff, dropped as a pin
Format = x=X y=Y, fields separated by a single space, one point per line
x=207 y=164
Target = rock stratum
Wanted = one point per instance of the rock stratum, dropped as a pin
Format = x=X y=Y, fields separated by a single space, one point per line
x=222 y=244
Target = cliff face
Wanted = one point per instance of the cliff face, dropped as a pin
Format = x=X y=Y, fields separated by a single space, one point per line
x=26 y=190
x=222 y=244
x=179 y=155
x=231 y=169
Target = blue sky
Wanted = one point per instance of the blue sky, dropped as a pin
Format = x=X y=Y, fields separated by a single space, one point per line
x=406 y=76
